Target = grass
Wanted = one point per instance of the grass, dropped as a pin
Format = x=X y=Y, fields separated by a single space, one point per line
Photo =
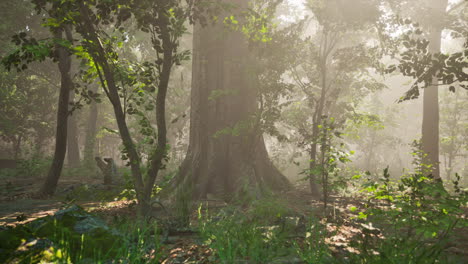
x=268 y=230
x=135 y=242
x=236 y=234
x=259 y=234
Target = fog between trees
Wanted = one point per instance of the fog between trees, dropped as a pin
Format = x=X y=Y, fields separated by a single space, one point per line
x=233 y=131
x=236 y=96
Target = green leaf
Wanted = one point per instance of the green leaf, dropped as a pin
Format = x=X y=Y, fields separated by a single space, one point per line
x=362 y=215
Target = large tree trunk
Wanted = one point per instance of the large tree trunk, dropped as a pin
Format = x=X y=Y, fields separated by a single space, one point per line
x=64 y=64
x=226 y=152
x=73 y=148
x=430 y=123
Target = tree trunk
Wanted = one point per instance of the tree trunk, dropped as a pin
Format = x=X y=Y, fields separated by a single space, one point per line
x=316 y=186
x=64 y=64
x=430 y=123
x=108 y=84
x=326 y=46
x=227 y=153
x=91 y=130
x=314 y=183
x=160 y=152
x=73 y=149
x=17 y=147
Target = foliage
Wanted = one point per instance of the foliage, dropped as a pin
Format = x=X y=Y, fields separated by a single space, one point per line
x=417 y=217
x=129 y=86
x=332 y=155
x=26 y=108
x=453 y=131
x=314 y=248
x=268 y=232
x=269 y=208
x=33 y=167
x=416 y=60
x=127 y=190
x=75 y=236
x=236 y=238
x=72 y=227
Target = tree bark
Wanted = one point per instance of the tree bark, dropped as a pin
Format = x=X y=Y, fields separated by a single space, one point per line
x=430 y=123
x=64 y=65
x=108 y=83
x=227 y=153
x=73 y=149
x=160 y=152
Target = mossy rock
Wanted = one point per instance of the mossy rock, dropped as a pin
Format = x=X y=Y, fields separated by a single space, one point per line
x=72 y=230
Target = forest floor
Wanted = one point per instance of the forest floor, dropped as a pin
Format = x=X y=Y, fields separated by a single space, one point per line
x=18 y=206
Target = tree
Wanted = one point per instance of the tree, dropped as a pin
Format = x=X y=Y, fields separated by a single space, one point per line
x=164 y=21
x=226 y=154
x=26 y=98
x=430 y=124
x=73 y=148
x=64 y=65
x=422 y=60
x=333 y=78
x=453 y=131
x=91 y=132
x=31 y=50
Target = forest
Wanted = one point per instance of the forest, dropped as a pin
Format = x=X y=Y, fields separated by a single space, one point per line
x=234 y=131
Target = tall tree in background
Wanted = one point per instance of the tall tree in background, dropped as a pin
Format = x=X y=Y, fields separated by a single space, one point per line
x=421 y=58
x=27 y=97
x=333 y=71
x=226 y=153
x=91 y=131
x=430 y=124
x=454 y=132
x=29 y=50
x=73 y=148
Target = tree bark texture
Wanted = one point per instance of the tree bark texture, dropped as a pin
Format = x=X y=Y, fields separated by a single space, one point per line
x=226 y=153
x=66 y=84
x=160 y=152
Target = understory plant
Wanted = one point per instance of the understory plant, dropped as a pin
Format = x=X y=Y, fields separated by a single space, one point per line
x=244 y=236
x=327 y=167
x=416 y=218
x=79 y=237
x=313 y=248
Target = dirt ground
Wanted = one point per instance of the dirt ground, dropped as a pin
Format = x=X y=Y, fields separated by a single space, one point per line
x=18 y=206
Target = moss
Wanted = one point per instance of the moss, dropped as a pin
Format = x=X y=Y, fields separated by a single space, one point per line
x=71 y=231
